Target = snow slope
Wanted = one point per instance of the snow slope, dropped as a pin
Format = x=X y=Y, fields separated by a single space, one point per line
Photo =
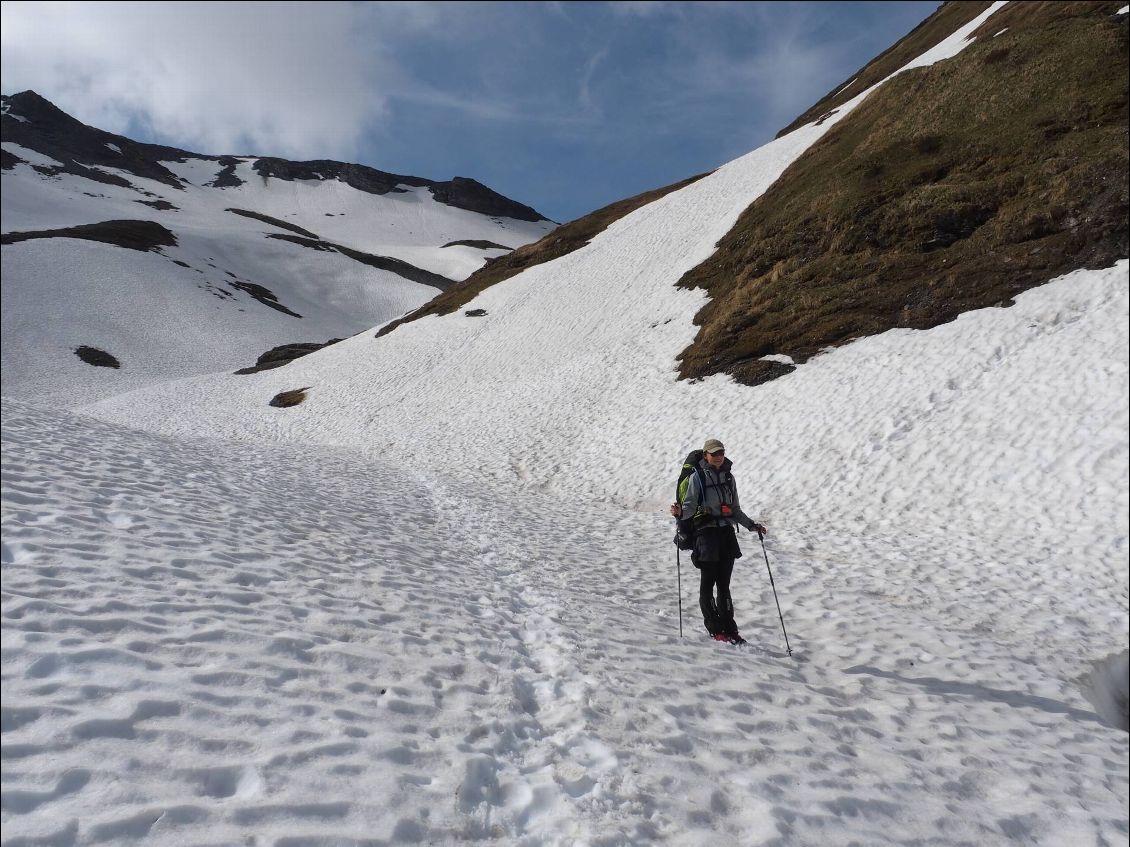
x=438 y=603
x=175 y=313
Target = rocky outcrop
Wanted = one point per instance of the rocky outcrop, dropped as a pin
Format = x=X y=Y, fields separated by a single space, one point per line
x=35 y=123
x=133 y=235
x=478 y=244
x=361 y=177
x=97 y=358
x=464 y=193
x=384 y=263
x=267 y=219
x=284 y=354
x=80 y=149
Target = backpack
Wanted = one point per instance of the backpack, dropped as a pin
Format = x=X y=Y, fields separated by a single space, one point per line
x=684 y=533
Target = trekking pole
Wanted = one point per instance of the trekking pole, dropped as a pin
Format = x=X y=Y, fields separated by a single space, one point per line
x=788 y=648
x=679 y=571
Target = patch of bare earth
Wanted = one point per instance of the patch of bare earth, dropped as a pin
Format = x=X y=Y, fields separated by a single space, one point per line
x=951 y=188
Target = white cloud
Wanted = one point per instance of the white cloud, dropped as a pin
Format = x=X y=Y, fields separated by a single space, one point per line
x=295 y=79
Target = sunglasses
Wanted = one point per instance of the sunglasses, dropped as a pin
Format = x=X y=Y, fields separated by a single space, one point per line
x=718 y=453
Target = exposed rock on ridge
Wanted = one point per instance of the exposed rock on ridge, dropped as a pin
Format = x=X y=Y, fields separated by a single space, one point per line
x=76 y=146
x=82 y=150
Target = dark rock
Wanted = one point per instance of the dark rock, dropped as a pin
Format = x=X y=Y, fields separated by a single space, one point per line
x=267 y=219
x=476 y=313
x=9 y=160
x=361 y=177
x=462 y=193
x=264 y=296
x=286 y=399
x=226 y=178
x=96 y=357
x=398 y=267
x=284 y=354
x=469 y=194
x=289 y=352
x=133 y=235
x=314 y=243
x=52 y=132
x=480 y=244
x=159 y=205
x=384 y=263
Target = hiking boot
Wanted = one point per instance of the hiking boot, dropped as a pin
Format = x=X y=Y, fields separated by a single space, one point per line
x=721 y=636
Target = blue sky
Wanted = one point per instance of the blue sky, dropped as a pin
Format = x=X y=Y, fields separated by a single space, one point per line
x=564 y=106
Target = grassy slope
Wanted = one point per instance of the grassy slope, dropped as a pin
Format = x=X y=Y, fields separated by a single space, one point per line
x=949 y=18
x=951 y=188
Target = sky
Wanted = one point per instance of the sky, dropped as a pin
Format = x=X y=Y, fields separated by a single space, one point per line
x=563 y=106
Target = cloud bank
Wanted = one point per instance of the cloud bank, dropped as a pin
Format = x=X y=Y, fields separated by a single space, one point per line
x=291 y=79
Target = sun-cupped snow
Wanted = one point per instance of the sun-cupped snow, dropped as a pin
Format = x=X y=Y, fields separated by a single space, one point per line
x=325 y=648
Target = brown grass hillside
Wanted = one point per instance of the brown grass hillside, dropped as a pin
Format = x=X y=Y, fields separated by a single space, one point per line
x=949 y=18
x=951 y=188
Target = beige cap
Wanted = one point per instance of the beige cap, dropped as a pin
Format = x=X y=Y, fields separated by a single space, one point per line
x=712 y=445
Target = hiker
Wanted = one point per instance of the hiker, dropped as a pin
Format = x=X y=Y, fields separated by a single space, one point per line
x=710 y=502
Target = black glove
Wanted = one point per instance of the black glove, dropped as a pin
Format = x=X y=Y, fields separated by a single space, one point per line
x=684 y=535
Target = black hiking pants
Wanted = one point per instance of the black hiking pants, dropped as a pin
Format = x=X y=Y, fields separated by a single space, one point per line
x=716 y=548
x=717 y=613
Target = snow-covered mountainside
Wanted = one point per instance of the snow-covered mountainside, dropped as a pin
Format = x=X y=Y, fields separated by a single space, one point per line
x=436 y=601
x=213 y=260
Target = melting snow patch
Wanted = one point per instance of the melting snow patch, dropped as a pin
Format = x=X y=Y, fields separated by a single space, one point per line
x=1123 y=10
x=115 y=148
x=1002 y=32
x=31 y=156
x=780 y=358
x=1106 y=688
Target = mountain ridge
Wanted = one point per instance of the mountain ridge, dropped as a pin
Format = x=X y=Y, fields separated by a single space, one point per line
x=50 y=131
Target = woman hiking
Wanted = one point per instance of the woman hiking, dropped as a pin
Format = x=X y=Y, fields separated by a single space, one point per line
x=710 y=501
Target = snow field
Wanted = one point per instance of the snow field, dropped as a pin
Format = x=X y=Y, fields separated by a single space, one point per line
x=324 y=649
